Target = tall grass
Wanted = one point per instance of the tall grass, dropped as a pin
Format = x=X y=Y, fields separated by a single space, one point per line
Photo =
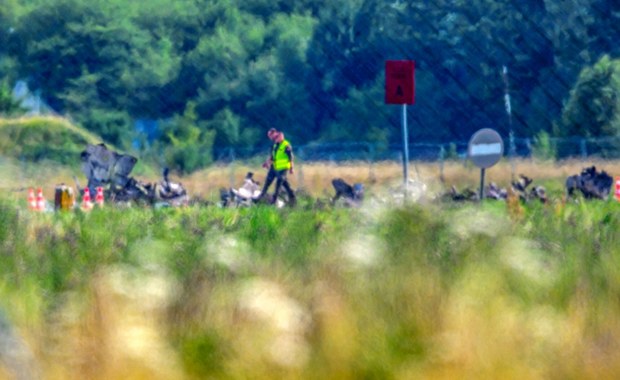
x=422 y=291
x=315 y=178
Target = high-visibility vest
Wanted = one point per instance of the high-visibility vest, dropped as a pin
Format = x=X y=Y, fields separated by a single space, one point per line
x=281 y=160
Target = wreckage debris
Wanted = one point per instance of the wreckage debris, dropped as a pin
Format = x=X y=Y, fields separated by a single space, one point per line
x=520 y=187
x=492 y=191
x=170 y=193
x=246 y=195
x=461 y=196
x=522 y=183
x=106 y=168
x=110 y=170
x=591 y=183
x=351 y=195
x=495 y=192
x=249 y=194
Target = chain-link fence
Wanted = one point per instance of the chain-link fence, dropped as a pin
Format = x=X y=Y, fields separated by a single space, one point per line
x=556 y=148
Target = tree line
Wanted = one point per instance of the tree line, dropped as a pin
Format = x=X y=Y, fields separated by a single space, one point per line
x=219 y=73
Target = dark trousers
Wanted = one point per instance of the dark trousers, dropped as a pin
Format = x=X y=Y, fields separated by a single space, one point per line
x=271 y=175
x=283 y=182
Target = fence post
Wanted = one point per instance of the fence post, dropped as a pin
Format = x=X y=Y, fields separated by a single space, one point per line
x=442 y=155
x=528 y=145
x=371 y=166
x=300 y=176
x=298 y=164
x=231 y=166
x=583 y=148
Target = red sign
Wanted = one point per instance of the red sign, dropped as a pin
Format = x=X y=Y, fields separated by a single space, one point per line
x=399 y=82
x=617 y=193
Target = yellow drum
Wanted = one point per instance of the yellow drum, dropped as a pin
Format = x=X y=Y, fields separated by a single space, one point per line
x=64 y=198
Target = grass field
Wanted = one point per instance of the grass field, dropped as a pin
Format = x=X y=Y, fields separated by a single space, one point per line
x=315 y=178
x=377 y=177
x=431 y=290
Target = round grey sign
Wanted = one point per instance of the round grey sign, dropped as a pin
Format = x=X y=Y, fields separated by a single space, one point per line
x=485 y=148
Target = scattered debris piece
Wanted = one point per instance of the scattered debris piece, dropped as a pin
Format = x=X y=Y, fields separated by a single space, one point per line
x=520 y=187
x=246 y=195
x=492 y=191
x=351 y=195
x=591 y=184
x=460 y=196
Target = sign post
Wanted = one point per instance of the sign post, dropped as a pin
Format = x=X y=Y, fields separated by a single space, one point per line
x=400 y=89
x=405 y=149
x=485 y=148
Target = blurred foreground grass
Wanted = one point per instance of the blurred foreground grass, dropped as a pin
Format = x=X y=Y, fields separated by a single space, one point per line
x=422 y=291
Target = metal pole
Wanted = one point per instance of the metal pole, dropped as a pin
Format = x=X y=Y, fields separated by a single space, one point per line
x=508 y=106
x=512 y=152
x=405 y=150
x=481 y=184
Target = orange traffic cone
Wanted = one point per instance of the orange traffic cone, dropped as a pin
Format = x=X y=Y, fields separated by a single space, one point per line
x=99 y=197
x=32 y=201
x=40 y=202
x=87 y=204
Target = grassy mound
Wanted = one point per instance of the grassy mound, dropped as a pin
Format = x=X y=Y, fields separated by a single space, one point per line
x=43 y=138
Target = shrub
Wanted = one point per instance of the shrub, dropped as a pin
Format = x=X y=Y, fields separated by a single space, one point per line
x=544 y=148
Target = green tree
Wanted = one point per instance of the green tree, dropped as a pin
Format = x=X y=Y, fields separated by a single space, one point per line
x=277 y=93
x=360 y=117
x=187 y=144
x=230 y=130
x=8 y=105
x=256 y=71
x=311 y=68
x=7 y=28
x=89 y=58
x=593 y=109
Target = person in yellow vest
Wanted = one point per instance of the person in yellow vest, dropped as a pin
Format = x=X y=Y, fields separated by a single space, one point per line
x=268 y=164
x=282 y=155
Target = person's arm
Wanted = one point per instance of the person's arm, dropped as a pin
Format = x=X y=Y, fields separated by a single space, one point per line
x=267 y=163
x=269 y=159
x=289 y=153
